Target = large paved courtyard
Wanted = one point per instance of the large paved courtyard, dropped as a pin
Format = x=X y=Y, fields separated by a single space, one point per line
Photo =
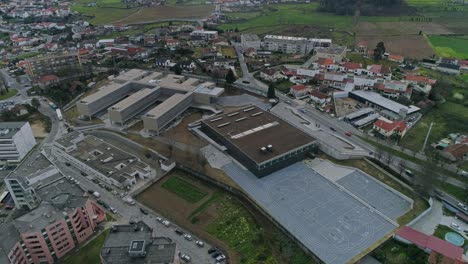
x=336 y=219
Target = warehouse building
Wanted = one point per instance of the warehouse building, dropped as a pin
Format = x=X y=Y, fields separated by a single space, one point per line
x=376 y=101
x=132 y=105
x=262 y=142
x=16 y=140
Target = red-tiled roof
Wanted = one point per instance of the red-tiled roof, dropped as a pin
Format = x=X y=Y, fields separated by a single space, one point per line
x=325 y=61
x=298 y=87
x=48 y=78
x=397 y=125
x=457 y=150
x=420 y=79
x=269 y=71
x=318 y=95
x=397 y=58
x=433 y=243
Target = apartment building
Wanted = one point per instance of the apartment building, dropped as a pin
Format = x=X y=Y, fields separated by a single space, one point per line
x=294 y=45
x=204 y=35
x=65 y=218
x=16 y=140
x=58 y=64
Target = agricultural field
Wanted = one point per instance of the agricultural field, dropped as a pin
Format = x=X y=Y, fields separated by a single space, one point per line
x=184 y=189
x=450 y=46
x=153 y=14
x=223 y=220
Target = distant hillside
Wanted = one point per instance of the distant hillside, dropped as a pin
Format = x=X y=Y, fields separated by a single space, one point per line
x=365 y=7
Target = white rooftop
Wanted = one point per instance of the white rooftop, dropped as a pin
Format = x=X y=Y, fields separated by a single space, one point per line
x=384 y=102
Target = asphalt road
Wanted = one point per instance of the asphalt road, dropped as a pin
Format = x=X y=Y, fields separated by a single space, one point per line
x=125 y=212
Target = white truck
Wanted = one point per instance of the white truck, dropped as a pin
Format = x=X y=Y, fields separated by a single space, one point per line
x=96 y=194
x=59 y=114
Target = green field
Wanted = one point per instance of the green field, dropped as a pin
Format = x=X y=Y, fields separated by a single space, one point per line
x=238 y=229
x=105 y=11
x=184 y=189
x=455 y=191
x=450 y=46
x=88 y=253
x=10 y=93
x=449 y=118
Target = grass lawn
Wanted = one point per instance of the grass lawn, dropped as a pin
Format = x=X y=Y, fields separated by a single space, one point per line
x=455 y=191
x=184 y=189
x=103 y=14
x=449 y=118
x=89 y=253
x=11 y=92
x=450 y=46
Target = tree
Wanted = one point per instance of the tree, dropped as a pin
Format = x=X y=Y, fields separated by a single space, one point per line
x=230 y=78
x=428 y=180
x=177 y=69
x=271 y=91
x=378 y=154
x=35 y=103
x=147 y=153
x=402 y=166
x=379 y=51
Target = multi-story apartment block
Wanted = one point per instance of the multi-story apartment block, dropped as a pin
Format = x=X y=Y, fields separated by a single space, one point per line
x=204 y=35
x=65 y=218
x=293 y=45
x=16 y=140
x=58 y=64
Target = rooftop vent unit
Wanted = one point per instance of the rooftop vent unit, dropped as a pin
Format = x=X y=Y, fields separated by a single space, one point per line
x=240 y=119
x=249 y=109
x=233 y=114
x=216 y=119
x=224 y=124
x=256 y=114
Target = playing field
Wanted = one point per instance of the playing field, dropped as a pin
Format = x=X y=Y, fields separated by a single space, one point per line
x=450 y=46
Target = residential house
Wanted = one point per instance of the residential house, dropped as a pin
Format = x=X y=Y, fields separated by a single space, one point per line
x=319 y=97
x=149 y=41
x=164 y=62
x=351 y=67
x=48 y=80
x=187 y=65
x=362 y=48
x=172 y=43
x=298 y=90
x=396 y=58
x=225 y=63
x=271 y=75
x=421 y=83
x=250 y=52
x=456 y=152
x=389 y=128
x=336 y=53
x=377 y=70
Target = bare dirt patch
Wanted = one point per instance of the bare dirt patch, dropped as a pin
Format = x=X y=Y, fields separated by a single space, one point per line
x=38 y=129
x=399 y=28
x=163 y=12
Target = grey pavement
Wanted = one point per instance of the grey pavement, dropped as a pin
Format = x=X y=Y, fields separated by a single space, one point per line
x=241 y=100
x=328 y=221
x=429 y=222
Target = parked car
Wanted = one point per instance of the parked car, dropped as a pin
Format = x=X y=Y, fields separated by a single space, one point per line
x=212 y=250
x=130 y=201
x=220 y=257
x=113 y=210
x=348 y=134
x=200 y=243
x=95 y=180
x=216 y=254
x=455 y=226
x=188 y=237
x=178 y=231
x=463 y=206
x=83 y=174
x=159 y=219
x=333 y=129
x=90 y=191
x=67 y=164
x=143 y=211
x=186 y=258
x=166 y=223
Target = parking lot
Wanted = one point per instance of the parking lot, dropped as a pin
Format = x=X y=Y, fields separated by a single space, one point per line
x=126 y=213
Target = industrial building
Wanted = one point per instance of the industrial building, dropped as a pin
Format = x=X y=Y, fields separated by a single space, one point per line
x=380 y=103
x=136 y=91
x=98 y=158
x=293 y=45
x=250 y=41
x=137 y=244
x=262 y=142
x=16 y=140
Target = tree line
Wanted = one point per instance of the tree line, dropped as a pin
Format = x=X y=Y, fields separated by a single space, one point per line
x=364 y=7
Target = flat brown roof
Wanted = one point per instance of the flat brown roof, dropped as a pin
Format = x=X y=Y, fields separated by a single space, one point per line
x=251 y=128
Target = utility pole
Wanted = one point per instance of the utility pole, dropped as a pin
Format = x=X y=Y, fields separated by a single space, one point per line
x=427 y=137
